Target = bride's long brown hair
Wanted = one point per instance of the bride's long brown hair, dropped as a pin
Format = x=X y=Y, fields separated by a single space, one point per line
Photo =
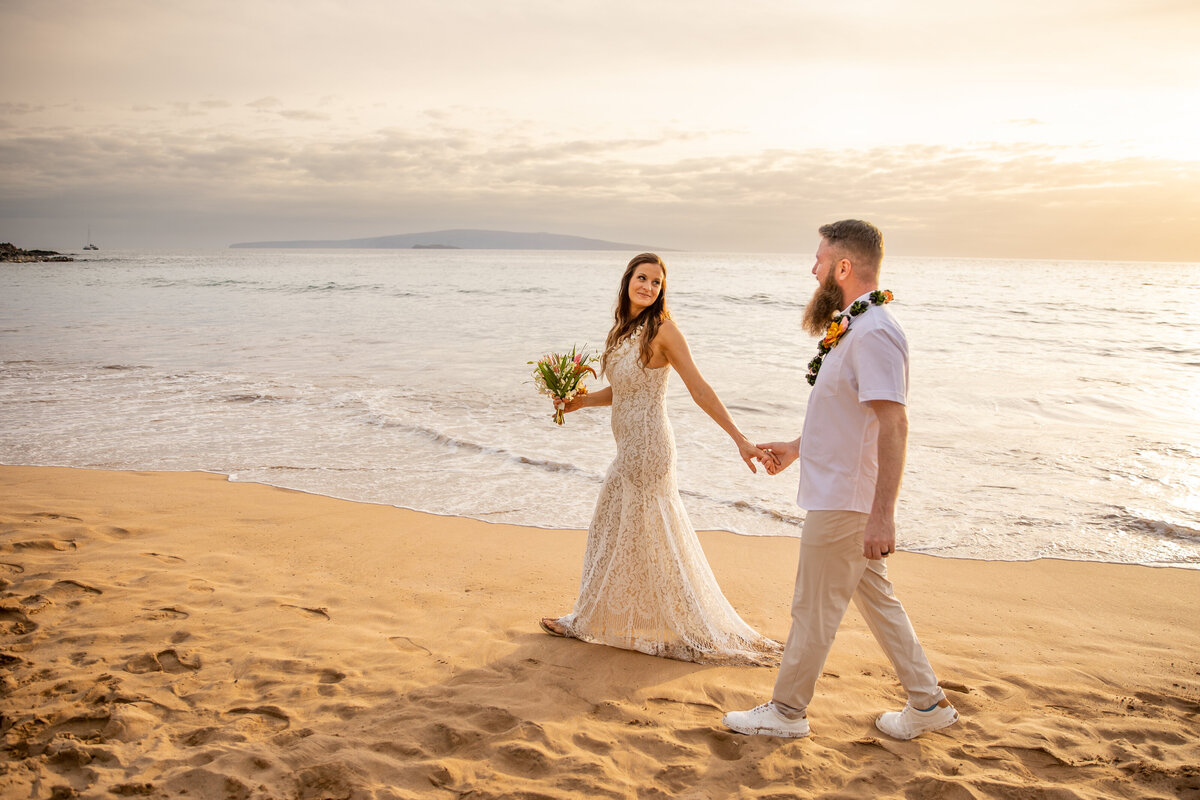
x=624 y=323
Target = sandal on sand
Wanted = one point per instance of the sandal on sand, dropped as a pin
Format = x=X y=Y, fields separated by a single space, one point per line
x=550 y=630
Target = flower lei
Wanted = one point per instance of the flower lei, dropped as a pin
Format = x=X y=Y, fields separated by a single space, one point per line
x=838 y=327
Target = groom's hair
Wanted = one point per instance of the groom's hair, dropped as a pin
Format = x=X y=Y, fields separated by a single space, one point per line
x=861 y=240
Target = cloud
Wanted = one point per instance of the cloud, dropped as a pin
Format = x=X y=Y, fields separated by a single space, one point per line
x=20 y=108
x=1016 y=200
x=304 y=115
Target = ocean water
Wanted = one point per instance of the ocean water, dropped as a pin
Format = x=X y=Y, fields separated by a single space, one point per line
x=1054 y=406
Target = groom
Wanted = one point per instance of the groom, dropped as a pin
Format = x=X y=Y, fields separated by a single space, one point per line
x=854 y=441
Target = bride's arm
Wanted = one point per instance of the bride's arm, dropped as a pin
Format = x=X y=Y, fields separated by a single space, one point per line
x=603 y=397
x=679 y=356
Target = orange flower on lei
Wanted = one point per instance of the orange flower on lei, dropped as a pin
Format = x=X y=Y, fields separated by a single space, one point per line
x=835 y=331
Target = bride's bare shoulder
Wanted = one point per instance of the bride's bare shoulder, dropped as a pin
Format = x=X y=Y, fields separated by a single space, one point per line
x=669 y=331
x=669 y=325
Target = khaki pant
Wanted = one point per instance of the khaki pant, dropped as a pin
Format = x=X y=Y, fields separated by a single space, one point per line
x=832 y=571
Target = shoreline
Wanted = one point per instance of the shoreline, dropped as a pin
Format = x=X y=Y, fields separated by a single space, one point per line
x=232 y=479
x=178 y=630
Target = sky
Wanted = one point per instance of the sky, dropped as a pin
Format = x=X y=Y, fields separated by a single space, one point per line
x=1017 y=129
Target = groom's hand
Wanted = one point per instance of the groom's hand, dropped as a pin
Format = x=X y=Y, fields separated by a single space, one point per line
x=879 y=538
x=782 y=454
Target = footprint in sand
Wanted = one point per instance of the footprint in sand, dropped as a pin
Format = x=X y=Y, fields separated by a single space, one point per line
x=71 y=591
x=15 y=622
x=677 y=777
x=205 y=782
x=262 y=720
x=315 y=612
x=1038 y=758
x=723 y=745
x=661 y=747
x=113 y=533
x=199 y=585
x=167 y=612
x=328 y=680
x=61 y=545
x=83 y=659
x=442 y=740
x=7 y=571
x=999 y=692
x=523 y=759
x=163 y=557
x=35 y=603
x=592 y=745
x=495 y=720
x=331 y=676
x=81 y=727
x=163 y=661
x=328 y=780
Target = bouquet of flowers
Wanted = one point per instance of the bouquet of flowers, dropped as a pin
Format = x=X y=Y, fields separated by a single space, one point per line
x=561 y=376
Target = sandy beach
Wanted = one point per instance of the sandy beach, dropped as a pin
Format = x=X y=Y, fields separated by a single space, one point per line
x=175 y=634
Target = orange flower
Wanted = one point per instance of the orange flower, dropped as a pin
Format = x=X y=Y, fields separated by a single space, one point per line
x=835 y=331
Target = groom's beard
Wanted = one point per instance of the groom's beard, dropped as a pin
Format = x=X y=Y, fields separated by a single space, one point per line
x=826 y=301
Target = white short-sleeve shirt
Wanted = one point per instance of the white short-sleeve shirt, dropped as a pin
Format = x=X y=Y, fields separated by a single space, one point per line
x=839 y=458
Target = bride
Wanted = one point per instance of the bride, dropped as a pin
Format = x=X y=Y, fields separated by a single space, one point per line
x=646 y=584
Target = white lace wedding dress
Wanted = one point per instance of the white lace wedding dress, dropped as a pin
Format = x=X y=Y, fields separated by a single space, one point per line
x=646 y=583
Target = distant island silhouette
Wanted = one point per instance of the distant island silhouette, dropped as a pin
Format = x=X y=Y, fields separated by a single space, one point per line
x=461 y=239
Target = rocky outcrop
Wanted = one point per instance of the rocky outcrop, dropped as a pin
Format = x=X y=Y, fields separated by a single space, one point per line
x=9 y=252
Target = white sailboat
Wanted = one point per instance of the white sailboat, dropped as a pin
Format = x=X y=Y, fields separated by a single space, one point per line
x=89 y=245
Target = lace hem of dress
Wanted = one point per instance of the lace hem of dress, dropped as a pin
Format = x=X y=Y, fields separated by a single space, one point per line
x=762 y=653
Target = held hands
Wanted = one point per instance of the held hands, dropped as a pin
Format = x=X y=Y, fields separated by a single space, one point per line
x=751 y=453
x=780 y=455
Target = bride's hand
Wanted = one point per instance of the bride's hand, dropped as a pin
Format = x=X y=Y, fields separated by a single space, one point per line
x=567 y=406
x=750 y=454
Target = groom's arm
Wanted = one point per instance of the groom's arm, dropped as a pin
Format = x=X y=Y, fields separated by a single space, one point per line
x=879 y=538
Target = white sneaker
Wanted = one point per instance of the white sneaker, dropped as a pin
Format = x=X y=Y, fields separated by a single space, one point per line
x=765 y=720
x=910 y=723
